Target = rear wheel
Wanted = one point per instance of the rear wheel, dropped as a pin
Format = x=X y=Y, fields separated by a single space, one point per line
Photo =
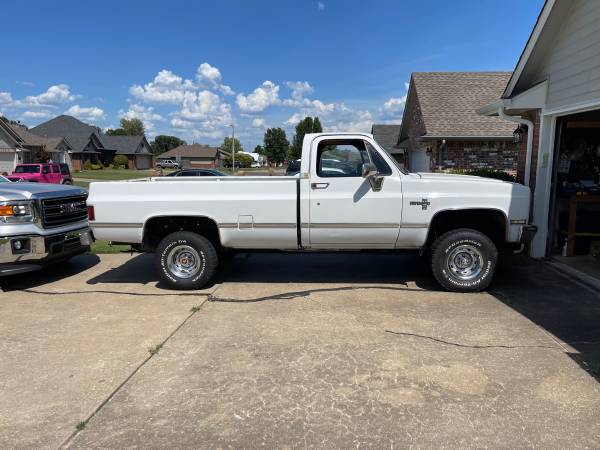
x=69 y=182
x=186 y=260
x=464 y=260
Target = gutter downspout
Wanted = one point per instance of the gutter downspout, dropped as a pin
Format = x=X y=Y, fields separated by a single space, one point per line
x=529 y=124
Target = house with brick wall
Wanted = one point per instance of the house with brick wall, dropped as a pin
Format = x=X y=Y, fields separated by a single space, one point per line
x=442 y=131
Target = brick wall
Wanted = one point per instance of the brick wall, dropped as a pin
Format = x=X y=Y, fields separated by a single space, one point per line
x=468 y=155
x=534 y=116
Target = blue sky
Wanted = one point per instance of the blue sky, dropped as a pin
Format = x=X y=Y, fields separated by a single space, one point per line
x=190 y=68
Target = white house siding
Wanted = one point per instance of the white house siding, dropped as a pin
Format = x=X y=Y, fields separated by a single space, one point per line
x=572 y=61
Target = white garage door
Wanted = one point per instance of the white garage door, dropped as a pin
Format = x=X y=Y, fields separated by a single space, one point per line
x=143 y=162
x=7 y=162
x=419 y=161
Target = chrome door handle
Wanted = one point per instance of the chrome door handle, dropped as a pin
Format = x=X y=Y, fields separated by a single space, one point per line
x=319 y=185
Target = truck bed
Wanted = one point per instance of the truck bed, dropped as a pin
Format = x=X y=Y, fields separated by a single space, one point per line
x=265 y=205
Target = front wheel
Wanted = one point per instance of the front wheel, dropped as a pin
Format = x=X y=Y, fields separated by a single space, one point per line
x=464 y=260
x=186 y=260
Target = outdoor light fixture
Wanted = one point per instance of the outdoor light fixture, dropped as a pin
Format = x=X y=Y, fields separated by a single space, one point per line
x=518 y=135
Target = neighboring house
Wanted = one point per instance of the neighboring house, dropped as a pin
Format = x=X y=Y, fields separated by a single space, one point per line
x=18 y=145
x=441 y=129
x=136 y=148
x=90 y=144
x=388 y=137
x=555 y=87
x=12 y=148
x=196 y=155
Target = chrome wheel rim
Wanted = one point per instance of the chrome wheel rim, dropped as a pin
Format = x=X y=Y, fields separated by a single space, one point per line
x=465 y=262
x=184 y=261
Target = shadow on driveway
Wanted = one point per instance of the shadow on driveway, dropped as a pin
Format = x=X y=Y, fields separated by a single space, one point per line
x=49 y=274
x=562 y=307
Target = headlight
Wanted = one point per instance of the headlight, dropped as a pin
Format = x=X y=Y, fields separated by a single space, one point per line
x=16 y=212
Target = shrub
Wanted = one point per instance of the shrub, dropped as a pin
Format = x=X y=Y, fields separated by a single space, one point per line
x=97 y=167
x=120 y=161
x=486 y=173
x=491 y=173
x=87 y=165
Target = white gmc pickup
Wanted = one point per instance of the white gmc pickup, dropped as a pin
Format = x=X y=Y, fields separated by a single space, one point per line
x=349 y=195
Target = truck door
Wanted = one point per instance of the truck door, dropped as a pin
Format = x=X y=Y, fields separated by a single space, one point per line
x=46 y=173
x=345 y=210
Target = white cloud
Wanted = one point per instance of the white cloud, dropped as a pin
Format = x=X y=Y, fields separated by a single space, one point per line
x=145 y=113
x=36 y=114
x=393 y=108
x=300 y=89
x=26 y=83
x=263 y=96
x=203 y=114
x=181 y=124
x=5 y=98
x=259 y=122
x=84 y=113
x=321 y=6
x=210 y=77
x=55 y=95
x=166 y=87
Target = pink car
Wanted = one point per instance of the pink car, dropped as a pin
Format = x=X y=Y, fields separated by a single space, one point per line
x=42 y=173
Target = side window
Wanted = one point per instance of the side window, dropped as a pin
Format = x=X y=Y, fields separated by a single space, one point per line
x=45 y=169
x=341 y=158
x=55 y=168
x=187 y=173
x=382 y=167
x=64 y=169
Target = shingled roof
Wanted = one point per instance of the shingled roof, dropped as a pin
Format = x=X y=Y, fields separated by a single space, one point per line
x=191 y=151
x=124 y=145
x=448 y=102
x=387 y=137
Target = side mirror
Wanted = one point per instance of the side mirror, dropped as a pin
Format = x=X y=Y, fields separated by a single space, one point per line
x=369 y=170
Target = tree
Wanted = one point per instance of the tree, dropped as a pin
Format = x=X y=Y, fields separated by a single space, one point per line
x=120 y=161
x=276 y=145
x=306 y=125
x=259 y=150
x=163 y=143
x=241 y=160
x=226 y=145
x=129 y=127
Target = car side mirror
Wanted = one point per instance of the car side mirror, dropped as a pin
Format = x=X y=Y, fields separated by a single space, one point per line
x=369 y=170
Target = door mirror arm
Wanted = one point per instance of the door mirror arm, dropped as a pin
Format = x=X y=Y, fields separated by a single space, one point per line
x=369 y=171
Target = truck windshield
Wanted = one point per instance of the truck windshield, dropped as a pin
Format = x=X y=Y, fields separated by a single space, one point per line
x=27 y=169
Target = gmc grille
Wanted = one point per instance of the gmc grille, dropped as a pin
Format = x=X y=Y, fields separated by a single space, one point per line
x=63 y=211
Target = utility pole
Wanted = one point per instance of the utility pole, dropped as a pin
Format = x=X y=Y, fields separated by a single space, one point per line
x=233 y=148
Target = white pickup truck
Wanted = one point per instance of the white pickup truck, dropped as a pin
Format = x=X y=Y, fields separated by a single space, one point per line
x=349 y=195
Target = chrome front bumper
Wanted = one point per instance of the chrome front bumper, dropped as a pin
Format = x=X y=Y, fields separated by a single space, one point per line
x=35 y=248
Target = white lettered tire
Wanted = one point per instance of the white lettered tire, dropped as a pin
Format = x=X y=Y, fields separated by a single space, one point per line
x=464 y=260
x=186 y=260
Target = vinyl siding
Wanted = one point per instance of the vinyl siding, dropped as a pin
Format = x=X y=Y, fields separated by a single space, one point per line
x=572 y=62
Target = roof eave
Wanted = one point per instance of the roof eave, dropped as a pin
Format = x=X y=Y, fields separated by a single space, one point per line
x=529 y=46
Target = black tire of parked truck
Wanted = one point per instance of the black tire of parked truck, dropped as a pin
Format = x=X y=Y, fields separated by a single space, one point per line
x=464 y=260
x=186 y=260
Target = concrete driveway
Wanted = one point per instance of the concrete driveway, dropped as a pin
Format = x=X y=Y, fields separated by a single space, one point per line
x=296 y=350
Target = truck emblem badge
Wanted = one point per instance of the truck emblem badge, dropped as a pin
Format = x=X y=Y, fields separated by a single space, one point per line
x=424 y=203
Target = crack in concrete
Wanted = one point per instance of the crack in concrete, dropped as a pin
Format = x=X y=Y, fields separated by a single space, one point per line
x=141 y=294
x=70 y=438
x=303 y=294
x=458 y=344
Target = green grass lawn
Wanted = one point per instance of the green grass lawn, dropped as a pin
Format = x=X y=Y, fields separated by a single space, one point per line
x=83 y=184
x=100 y=247
x=111 y=174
